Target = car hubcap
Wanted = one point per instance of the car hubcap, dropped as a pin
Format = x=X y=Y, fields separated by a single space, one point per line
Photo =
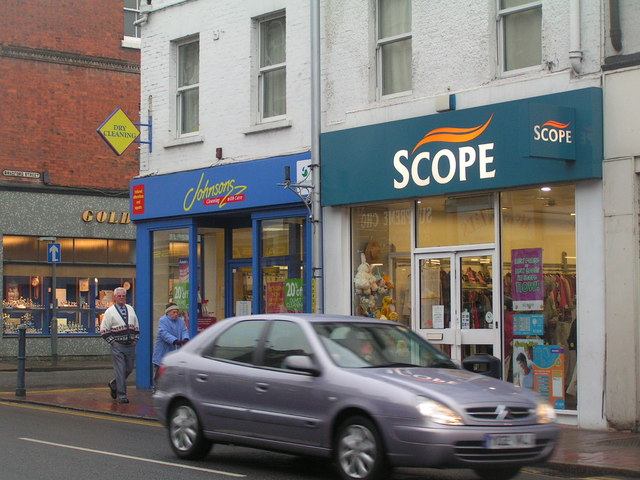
x=184 y=428
x=357 y=451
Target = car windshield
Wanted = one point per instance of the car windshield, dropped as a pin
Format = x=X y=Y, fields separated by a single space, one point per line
x=369 y=345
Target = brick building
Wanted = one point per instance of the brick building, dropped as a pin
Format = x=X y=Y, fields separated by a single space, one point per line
x=61 y=75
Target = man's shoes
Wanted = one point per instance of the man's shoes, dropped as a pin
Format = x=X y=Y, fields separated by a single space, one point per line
x=112 y=387
x=123 y=400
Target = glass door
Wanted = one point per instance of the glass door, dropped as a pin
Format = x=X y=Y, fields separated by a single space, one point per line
x=457 y=300
x=241 y=275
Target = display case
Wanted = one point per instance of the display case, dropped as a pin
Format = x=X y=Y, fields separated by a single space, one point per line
x=81 y=303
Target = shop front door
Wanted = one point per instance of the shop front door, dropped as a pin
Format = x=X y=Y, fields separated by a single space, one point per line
x=457 y=302
x=239 y=302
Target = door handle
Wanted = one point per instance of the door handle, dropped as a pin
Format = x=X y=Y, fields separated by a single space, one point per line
x=202 y=377
x=262 y=387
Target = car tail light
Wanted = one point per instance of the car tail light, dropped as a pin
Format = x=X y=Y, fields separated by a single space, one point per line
x=161 y=370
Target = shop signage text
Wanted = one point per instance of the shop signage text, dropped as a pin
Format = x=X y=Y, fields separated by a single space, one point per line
x=118 y=131
x=106 y=217
x=552 y=132
x=138 y=199
x=218 y=194
x=551 y=138
x=465 y=158
x=236 y=186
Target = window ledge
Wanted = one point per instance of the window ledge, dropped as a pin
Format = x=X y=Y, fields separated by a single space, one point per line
x=184 y=141
x=131 y=42
x=521 y=71
x=267 y=126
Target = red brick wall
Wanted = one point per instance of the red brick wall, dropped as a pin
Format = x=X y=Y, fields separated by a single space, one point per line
x=91 y=27
x=50 y=111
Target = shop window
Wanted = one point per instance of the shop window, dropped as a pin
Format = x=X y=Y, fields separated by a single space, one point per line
x=520 y=33
x=446 y=221
x=539 y=275
x=170 y=272
x=382 y=261
x=393 y=46
x=81 y=300
x=282 y=264
x=83 y=287
x=211 y=280
x=242 y=243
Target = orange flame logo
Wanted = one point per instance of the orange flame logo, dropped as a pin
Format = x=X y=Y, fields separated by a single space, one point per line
x=554 y=124
x=450 y=134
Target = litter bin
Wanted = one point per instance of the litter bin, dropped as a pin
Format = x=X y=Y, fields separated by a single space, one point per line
x=484 y=364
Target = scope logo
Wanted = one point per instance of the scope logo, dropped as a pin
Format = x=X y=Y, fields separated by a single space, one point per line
x=445 y=163
x=554 y=132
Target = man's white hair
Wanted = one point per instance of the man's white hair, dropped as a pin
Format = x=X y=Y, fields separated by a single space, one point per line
x=117 y=289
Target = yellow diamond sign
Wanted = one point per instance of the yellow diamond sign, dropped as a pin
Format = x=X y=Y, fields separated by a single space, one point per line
x=118 y=131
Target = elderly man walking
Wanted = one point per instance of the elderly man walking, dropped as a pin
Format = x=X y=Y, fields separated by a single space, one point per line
x=121 y=330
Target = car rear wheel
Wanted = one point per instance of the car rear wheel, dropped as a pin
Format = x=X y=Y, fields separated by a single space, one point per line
x=185 y=433
x=358 y=450
x=497 y=473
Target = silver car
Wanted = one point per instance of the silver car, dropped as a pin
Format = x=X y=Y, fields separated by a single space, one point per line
x=368 y=394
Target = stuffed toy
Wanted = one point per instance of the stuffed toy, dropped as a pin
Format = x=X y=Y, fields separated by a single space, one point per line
x=364 y=281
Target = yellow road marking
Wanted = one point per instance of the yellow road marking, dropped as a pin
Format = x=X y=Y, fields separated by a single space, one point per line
x=57 y=391
x=113 y=418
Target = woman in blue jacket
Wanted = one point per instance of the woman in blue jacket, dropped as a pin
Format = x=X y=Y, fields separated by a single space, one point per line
x=172 y=334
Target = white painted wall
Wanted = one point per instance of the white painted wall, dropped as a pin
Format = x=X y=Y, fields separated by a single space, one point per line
x=454 y=51
x=226 y=55
x=622 y=278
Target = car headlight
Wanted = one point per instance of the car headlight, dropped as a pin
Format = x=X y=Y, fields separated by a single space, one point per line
x=437 y=412
x=545 y=413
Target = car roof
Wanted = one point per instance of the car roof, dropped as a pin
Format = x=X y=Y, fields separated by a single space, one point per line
x=314 y=318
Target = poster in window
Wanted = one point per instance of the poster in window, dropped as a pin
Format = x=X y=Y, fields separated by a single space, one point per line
x=294 y=295
x=275 y=297
x=527 y=288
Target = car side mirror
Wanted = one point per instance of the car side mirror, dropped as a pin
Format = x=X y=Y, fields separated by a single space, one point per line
x=301 y=363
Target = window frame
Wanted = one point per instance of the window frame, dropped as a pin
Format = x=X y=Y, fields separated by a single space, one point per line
x=384 y=41
x=181 y=90
x=501 y=14
x=129 y=41
x=261 y=71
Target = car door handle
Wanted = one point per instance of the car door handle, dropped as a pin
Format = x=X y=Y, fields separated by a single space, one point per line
x=262 y=387
x=202 y=377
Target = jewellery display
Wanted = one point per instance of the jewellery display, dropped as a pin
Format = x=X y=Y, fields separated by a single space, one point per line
x=80 y=301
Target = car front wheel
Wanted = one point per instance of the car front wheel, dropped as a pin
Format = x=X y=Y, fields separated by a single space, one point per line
x=358 y=451
x=185 y=433
x=497 y=473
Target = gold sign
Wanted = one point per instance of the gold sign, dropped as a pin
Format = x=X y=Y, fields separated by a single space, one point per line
x=106 y=217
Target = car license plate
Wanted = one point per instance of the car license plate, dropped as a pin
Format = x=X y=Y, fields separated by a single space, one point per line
x=511 y=440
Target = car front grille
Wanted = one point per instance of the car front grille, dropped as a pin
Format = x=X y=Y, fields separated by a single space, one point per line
x=500 y=413
x=474 y=451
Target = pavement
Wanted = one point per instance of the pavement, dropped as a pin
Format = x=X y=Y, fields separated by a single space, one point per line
x=580 y=451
